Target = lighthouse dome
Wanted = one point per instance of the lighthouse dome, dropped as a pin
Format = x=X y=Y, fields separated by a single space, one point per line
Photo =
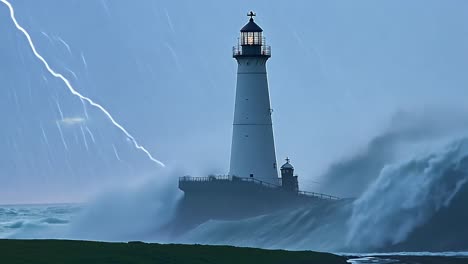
x=287 y=165
x=251 y=27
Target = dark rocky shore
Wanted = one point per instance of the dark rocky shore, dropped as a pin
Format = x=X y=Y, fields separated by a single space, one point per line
x=70 y=252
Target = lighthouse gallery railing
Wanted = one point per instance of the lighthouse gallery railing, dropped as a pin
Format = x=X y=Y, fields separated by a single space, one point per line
x=265 y=49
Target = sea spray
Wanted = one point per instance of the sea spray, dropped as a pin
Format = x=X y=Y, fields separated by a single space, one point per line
x=129 y=213
x=122 y=213
x=406 y=195
x=405 y=135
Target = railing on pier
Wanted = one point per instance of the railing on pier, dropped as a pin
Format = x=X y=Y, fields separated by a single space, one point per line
x=319 y=195
x=230 y=178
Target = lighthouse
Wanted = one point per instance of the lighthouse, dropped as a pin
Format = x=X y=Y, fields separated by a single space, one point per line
x=253 y=148
x=252 y=187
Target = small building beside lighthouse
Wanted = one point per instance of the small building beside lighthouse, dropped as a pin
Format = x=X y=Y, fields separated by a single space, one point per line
x=288 y=179
x=253 y=148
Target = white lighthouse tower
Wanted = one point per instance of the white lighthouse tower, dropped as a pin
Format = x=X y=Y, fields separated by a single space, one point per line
x=253 y=147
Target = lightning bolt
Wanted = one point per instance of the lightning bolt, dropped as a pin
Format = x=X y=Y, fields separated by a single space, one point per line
x=72 y=90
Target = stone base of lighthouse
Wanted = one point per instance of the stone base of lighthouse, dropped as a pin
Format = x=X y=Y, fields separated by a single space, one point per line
x=232 y=198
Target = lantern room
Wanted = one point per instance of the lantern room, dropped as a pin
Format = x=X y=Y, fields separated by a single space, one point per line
x=251 y=34
x=251 y=41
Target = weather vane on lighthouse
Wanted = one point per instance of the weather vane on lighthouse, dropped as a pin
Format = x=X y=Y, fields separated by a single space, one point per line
x=251 y=14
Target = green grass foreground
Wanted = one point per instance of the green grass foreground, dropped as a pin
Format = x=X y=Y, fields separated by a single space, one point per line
x=87 y=252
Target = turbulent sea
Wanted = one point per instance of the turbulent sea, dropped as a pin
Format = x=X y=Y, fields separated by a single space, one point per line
x=410 y=197
x=54 y=221
x=35 y=221
x=406 y=200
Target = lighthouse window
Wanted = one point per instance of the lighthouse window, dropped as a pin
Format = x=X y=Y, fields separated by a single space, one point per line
x=245 y=38
x=251 y=38
x=258 y=38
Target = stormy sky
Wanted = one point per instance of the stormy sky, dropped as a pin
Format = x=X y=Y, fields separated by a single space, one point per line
x=339 y=72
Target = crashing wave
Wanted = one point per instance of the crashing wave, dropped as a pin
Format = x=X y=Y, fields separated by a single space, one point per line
x=406 y=196
x=403 y=198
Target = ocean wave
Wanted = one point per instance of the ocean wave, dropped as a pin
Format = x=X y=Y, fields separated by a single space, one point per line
x=17 y=224
x=36 y=221
x=407 y=195
x=53 y=220
x=404 y=208
x=64 y=209
x=9 y=212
